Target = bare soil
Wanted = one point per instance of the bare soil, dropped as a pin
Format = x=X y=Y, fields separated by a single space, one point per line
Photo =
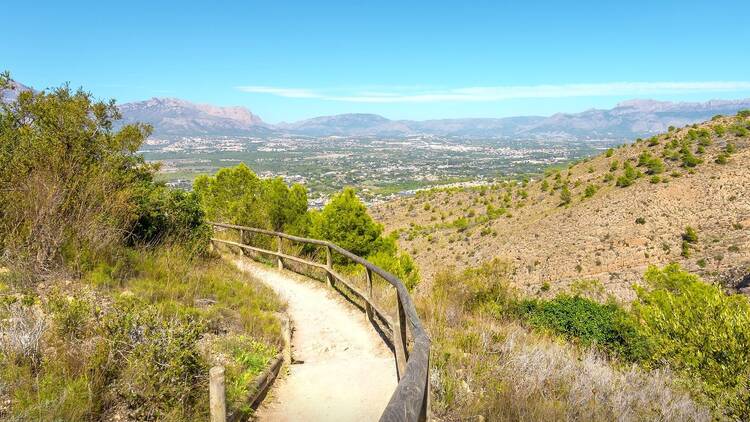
x=341 y=371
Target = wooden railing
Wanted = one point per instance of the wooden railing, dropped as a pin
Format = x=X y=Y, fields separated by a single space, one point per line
x=411 y=400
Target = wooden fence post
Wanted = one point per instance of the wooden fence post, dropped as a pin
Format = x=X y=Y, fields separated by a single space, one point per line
x=368 y=307
x=242 y=236
x=329 y=266
x=279 y=261
x=399 y=338
x=217 y=401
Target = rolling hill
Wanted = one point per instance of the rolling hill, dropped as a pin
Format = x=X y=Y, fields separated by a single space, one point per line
x=605 y=232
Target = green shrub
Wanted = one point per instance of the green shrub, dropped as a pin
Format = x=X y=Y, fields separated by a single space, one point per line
x=690 y=235
x=589 y=191
x=73 y=176
x=628 y=177
x=565 y=196
x=164 y=366
x=170 y=214
x=607 y=326
x=700 y=331
x=399 y=264
x=345 y=222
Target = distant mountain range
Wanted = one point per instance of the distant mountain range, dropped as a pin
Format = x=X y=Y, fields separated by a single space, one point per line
x=172 y=117
x=630 y=119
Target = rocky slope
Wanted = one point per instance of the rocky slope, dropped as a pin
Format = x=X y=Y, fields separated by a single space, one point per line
x=610 y=235
x=176 y=117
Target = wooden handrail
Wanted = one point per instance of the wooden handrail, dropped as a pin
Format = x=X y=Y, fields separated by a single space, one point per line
x=410 y=401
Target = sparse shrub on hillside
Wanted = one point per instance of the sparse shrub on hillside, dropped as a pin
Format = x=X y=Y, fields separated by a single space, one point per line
x=743 y=114
x=688 y=159
x=730 y=148
x=640 y=220
x=614 y=165
x=628 y=177
x=655 y=179
x=590 y=191
x=544 y=186
x=608 y=177
x=461 y=224
x=685 y=249
x=565 y=196
x=738 y=130
x=484 y=364
x=609 y=152
x=720 y=130
x=653 y=164
x=722 y=158
x=690 y=235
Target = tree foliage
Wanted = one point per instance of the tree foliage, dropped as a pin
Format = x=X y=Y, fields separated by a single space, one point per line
x=701 y=331
x=70 y=180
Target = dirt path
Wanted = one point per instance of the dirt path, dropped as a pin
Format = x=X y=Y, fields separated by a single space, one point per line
x=345 y=371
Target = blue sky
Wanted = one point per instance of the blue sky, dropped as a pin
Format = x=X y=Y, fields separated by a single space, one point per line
x=417 y=60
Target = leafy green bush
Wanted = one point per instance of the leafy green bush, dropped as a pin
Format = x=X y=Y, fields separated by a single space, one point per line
x=170 y=214
x=399 y=264
x=73 y=176
x=700 y=331
x=345 y=222
x=607 y=326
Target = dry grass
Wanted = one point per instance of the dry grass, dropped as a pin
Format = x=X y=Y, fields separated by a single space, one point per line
x=494 y=367
x=21 y=332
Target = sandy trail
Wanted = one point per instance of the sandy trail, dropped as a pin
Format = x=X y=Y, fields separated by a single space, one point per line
x=346 y=372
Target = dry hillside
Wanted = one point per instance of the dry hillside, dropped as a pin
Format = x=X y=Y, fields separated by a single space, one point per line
x=697 y=176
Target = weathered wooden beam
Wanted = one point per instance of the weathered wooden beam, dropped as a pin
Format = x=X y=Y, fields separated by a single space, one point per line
x=279 y=261
x=329 y=266
x=399 y=338
x=217 y=399
x=368 y=292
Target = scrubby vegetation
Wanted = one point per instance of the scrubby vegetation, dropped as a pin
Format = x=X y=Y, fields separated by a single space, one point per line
x=111 y=306
x=683 y=340
x=496 y=355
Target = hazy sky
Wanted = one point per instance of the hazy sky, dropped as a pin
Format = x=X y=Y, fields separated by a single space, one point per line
x=406 y=59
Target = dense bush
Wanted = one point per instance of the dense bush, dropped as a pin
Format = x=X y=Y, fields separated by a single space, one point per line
x=700 y=331
x=607 y=326
x=165 y=213
x=78 y=184
x=72 y=175
x=345 y=222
